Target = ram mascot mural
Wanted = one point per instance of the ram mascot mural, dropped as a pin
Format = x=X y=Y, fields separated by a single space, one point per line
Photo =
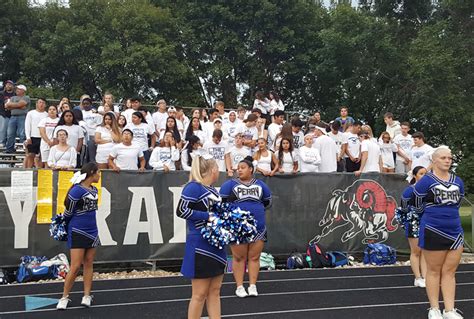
x=364 y=207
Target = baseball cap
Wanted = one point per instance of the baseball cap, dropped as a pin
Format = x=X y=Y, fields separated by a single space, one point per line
x=9 y=81
x=171 y=109
x=322 y=129
x=21 y=87
x=217 y=120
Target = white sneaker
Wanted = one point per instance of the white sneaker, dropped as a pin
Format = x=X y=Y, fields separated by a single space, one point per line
x=453 y=314
x=420 y=282
x=434 y=313
x=86 y=301
x=62 y=303
x=253 y=291
x=240 y=292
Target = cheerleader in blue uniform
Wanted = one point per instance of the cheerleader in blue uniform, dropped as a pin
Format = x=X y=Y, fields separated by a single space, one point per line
x=439 y=194
x=412 y=226
x=203 y=264
x=252 y=195
x=83 y=236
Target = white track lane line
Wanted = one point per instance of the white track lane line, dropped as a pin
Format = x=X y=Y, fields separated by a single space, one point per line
x=224 y=283
x=336 y=308
x=233 y=296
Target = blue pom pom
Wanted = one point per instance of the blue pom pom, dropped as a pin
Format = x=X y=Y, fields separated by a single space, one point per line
x=231 y=225
x=58 y=228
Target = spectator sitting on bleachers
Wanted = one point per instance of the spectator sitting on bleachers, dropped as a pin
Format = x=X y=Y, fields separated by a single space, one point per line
x=18 y=106
x=172 y=127
x=195 y=129
x=33 y=136
x=62 y=155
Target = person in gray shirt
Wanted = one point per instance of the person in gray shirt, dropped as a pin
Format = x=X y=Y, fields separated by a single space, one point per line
x=18 y=106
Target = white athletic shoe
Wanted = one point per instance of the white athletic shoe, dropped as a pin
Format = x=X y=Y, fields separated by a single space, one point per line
x=62 y=303
x=253 y=291
x=420 y=282
x=240 y=292
x=453 y=314
x=86 y=301
x=434 y=313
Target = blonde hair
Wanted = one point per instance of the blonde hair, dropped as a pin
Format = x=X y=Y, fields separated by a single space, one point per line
x=439 y=149
x=200 y=167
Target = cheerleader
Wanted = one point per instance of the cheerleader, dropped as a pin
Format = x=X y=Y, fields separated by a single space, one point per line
x=203 y=264
x=417 y=260
x=83 y=235
x=252 y=195
x=439 y=194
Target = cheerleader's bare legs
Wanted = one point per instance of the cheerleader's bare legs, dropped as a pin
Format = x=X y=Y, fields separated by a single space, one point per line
x=207 y=290
x=417 y=259
x=80 y=257
x=240 y=255
x=441 y=269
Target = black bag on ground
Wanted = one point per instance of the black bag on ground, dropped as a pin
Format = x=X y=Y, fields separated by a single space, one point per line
x=319 y=258
x=297 y=261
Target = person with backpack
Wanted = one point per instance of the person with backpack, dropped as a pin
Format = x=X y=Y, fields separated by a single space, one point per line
x=417 y=260
x=439 y=194
x=251 y=195
x=83 y=235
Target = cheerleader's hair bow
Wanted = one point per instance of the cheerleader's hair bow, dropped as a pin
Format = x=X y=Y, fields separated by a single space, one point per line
x=202 y=153
x=78 y=177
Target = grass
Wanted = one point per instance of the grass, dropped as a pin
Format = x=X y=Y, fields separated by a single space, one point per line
x=466 y=221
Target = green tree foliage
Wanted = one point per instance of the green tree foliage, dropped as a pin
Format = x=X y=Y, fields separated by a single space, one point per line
x=413 y=58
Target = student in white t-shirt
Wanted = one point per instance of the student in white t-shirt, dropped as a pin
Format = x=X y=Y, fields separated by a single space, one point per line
x=352 y=148
x=220 y=151
x=371 y=158
x=218 y=126
x=62 y=156
x=141 y=130
x=126 y=155
x=163 y=157
x=327 y=149
x=46 y=128
x=275 y=128
x=69 y=123
x=265 y=158
x=287 y=157
x=32 y=133
x=404 y=143
x=238 y=152
x=160 y=116
x=340 y=139
x=249 y=132
x=106 y=136
x=298 y=136
x=187 y=153
x=421 y=152
x=219 y=105
x=230 y=128
x=387 y=148
x=195 y=129
x=309 y=156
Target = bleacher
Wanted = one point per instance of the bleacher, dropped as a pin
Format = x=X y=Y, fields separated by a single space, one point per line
x=8 y=160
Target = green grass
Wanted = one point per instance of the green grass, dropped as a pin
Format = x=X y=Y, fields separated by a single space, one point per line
x=466 y=221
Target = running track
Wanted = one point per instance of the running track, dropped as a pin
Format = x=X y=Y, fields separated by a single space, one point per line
x=386 y=292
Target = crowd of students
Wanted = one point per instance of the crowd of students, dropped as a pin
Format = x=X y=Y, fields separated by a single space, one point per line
x=64 y=136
